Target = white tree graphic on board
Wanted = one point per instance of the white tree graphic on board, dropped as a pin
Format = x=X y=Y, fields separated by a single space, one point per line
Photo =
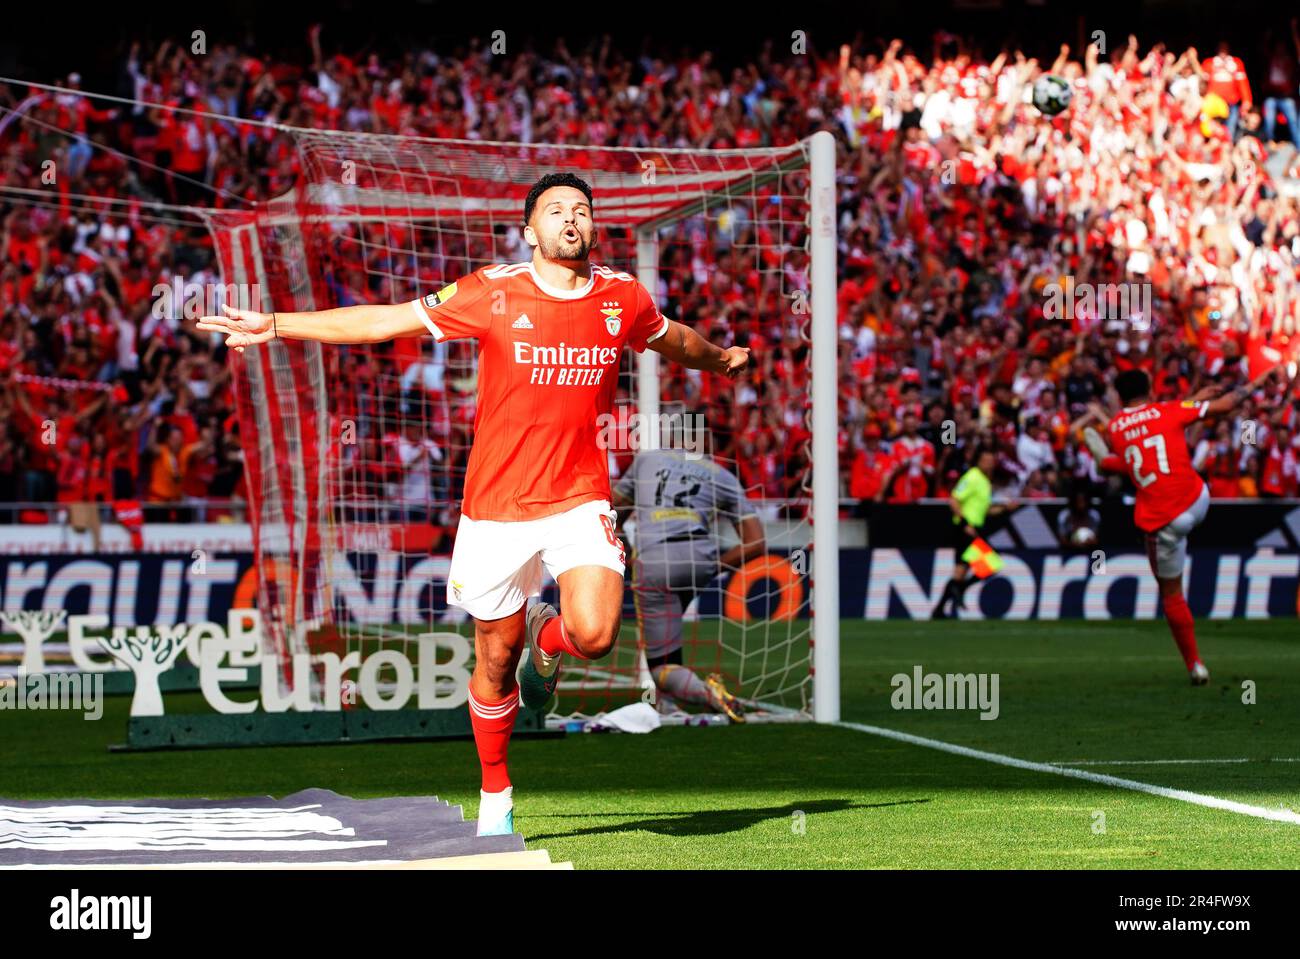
x=34 y=627
x=148 y=653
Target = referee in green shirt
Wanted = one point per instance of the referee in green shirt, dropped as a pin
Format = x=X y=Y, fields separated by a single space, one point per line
x=970 y=503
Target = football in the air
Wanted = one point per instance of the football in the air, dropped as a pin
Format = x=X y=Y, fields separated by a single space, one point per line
x=1052 y=94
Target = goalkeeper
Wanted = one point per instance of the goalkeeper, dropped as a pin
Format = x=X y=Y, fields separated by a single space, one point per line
x=677 y=501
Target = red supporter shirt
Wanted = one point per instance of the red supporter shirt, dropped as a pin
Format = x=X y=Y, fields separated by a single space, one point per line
x=1222 y=473
x=99 y=481
x=868 y=473
x=1280 y=471
x=915 y=457
x=1227 y=79
x=72 y=476
x=548 y=363
x=1151 y=441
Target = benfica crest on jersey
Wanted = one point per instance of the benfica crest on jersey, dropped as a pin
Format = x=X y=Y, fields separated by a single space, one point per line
x=612 y=311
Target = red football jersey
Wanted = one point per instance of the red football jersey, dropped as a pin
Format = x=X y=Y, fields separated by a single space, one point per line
x=548 y=362
x=1151 y=441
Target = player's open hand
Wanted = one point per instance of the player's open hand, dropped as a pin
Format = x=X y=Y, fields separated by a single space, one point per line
x=735 y=360
x=242 y=327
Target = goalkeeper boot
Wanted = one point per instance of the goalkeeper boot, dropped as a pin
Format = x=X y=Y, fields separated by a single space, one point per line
x=1096 y=445
x=721 y=698
x=496 y=813
x=539 y=674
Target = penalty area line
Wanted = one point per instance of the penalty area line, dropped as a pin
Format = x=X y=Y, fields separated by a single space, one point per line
x=1181 y=795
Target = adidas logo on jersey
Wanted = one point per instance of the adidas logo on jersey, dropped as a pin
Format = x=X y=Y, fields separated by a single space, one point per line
x=523 y=323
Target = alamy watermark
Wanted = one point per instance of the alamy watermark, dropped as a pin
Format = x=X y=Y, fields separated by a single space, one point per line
x=76 y=912
x=922 y=690
x=632 y=431
x=1105 y=301
x=180 y=299
x=81 y=691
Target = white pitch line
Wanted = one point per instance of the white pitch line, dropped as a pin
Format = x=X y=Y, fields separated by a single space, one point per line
x=1170 y=762
x=1182 y=795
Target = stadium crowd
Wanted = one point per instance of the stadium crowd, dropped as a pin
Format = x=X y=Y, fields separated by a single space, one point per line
x=997 y=265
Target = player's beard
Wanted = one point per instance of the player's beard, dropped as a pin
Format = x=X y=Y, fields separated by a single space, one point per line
x=566 y=250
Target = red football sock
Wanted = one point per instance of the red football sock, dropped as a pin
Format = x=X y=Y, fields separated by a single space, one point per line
x=492 y=724
x=1183 y=626
x=554 y=639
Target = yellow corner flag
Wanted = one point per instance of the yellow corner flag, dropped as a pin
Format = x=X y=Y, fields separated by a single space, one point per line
x=982 y=559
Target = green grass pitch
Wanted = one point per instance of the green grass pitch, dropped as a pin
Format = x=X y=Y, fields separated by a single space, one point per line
x=1109 y=695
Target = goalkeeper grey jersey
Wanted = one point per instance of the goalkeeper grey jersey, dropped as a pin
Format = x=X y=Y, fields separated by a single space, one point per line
x=677 y=498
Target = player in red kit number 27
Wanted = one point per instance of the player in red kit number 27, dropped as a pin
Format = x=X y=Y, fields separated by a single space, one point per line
x=550 y=332
x=1147 y=442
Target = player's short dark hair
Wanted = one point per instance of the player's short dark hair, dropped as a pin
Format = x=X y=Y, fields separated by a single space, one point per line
x=553 y=180
x=1132 y=384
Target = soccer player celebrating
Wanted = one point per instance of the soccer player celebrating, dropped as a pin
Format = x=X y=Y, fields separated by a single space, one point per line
x=550 y=333
x=678 y=502
x=1149 y=445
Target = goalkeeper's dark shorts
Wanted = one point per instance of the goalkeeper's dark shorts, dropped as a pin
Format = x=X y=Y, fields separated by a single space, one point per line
x=665 y=578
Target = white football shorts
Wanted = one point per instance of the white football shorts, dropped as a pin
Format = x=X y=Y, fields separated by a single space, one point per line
x=497 y=565
x=1167 y=546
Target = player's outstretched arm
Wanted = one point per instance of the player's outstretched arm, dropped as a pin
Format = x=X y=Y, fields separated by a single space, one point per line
x=683 y=345
x=348 y=324
x=1231 y=400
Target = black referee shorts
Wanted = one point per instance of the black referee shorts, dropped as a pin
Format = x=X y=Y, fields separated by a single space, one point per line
x=960 y=540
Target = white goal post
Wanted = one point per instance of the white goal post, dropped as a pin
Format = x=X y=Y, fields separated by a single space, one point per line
x=825 y=417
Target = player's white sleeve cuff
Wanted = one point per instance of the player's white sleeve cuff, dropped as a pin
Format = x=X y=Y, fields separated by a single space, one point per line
x=423 y=314
x=662 y=330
